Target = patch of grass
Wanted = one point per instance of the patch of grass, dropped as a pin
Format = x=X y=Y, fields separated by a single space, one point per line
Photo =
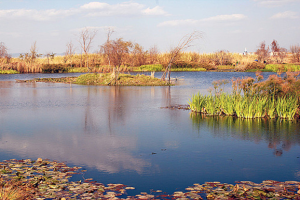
x=225 y=67
x=9 y=71
x=283 y=67
x=152 y=68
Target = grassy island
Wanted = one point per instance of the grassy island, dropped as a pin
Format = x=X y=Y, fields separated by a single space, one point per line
x=108 y=79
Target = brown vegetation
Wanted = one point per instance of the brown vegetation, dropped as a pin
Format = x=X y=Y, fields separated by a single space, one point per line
x=120 y=55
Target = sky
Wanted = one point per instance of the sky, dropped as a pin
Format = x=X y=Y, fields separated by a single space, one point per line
x=231 y=25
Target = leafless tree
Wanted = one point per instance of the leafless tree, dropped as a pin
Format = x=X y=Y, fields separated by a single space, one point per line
x=138 y=55
x=33 y=53
x=184 y=43
x=70 y=51
x=223 y=57
x=275 y=46
x=106 y=47
x=278 y=52
x=3 y=50
x=262 y=52
x=295 y=50
x=116 y=50
x=282 y=54
x=153 y=52
x=50 y=56
x=4 y=56
x=85 y=39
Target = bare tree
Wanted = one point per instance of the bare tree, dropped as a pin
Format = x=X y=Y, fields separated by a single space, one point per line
x=278 y=52
x=106 y=47
x=275 y=46
x=116 y=50
x=70 y=51
x=33 y=53
x=50 y=56
x=3 y=50
x=295 y=50
x=282 y=54
x=85 y=39
x=184 y=43
x=153 y=52
x=262 y=52
x=223 y=57
x=138 y=55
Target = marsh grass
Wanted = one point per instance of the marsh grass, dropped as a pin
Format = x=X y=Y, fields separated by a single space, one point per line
x=9 y=71
x=283 y=67
x=275 y=97
x=13 y=190
x=97 y=62
x=150 y=68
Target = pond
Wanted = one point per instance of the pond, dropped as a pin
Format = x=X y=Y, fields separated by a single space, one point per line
x=126 y=135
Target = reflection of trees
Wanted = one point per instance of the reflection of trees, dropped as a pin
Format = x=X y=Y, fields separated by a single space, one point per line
x=280 y=135
x=108 y=102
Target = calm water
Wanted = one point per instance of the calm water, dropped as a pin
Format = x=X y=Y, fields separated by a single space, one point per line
x=124 y=135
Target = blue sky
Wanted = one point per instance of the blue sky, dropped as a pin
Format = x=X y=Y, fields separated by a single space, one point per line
x=231 y=25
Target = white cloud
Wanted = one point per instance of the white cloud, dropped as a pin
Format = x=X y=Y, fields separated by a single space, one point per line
x=218 y=18
x=233 y=17
x=90 y=9
x=286 y=15
x=95 y=5
x=179 y=22
x=37 y=15
x=270 y=3
x=155 y=11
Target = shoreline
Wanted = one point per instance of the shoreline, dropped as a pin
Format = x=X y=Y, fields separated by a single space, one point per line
x=50 y=179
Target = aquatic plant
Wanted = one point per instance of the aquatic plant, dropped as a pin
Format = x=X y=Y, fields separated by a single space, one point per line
x=45 y=179
x=278 y=96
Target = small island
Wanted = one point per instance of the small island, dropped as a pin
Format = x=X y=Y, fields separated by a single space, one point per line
x=107 y=79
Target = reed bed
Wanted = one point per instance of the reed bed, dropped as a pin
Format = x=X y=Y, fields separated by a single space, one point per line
x=276 y=97
x=189 y=61
x=244 y=106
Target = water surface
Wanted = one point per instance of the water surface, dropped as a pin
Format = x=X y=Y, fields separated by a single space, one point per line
x=125 y=135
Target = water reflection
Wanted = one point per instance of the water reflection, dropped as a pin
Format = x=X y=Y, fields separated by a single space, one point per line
x=280 y=135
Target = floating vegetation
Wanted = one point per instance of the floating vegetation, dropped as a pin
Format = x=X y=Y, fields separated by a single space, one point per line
x=44 y=179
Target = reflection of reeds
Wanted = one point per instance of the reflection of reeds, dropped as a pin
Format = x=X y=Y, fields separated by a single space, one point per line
x=273 y=131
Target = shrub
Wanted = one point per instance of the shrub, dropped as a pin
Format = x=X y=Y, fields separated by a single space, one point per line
x=54 y=68
x=255 y=65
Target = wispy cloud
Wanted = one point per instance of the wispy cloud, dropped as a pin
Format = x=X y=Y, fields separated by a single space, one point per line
x=37 y=15
x=286 y=15
x=271 y=3
x=90 y=9
x=218 y=18
x=233 y=17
